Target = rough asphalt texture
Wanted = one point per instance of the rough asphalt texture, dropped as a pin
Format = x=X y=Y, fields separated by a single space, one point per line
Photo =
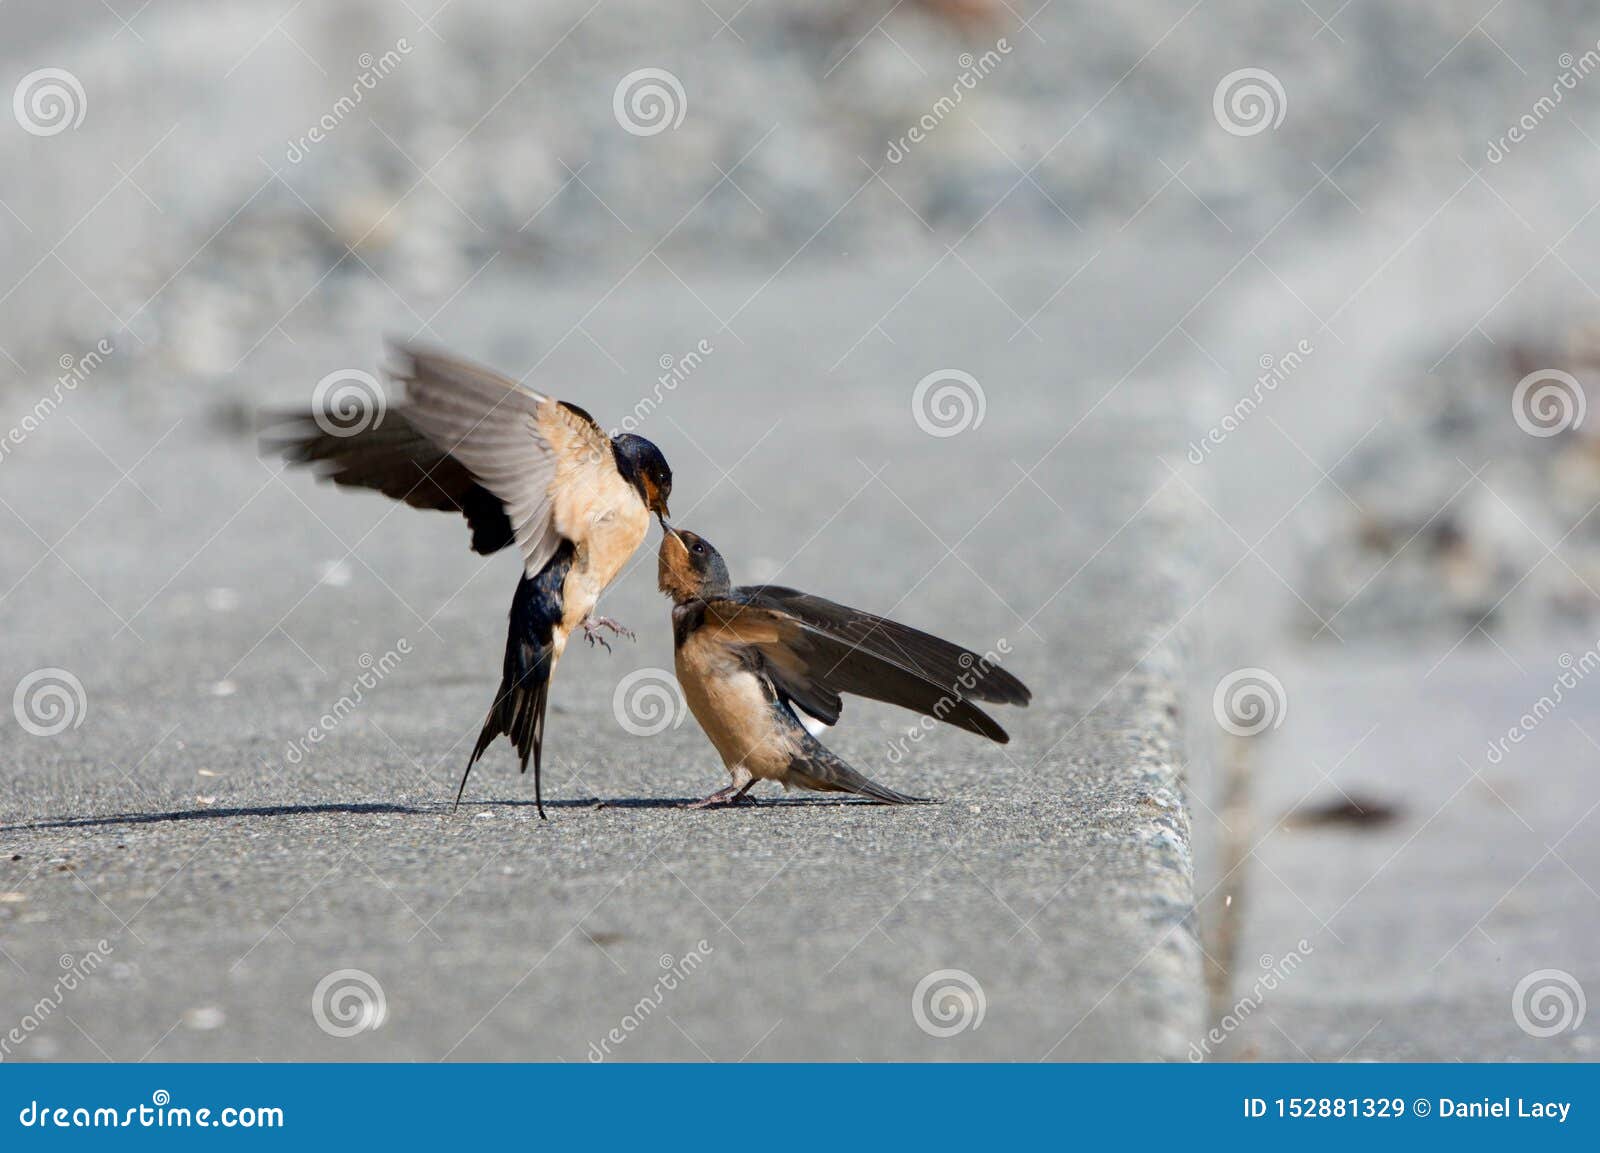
x=1085 y=237
x=229 y=875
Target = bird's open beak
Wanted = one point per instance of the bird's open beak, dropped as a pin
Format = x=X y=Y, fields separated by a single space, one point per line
x=666 y=526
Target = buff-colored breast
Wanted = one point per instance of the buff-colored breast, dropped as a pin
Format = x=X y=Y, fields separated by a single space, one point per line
x=593 y=507
x=729 y=702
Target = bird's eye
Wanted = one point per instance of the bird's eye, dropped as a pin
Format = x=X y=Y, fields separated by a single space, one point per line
x=700 y=549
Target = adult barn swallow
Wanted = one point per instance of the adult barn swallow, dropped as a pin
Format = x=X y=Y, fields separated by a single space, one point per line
x=522 y=468
x=751 y=659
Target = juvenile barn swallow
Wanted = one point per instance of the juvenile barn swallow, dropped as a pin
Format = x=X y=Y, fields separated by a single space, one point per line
x=750 y=660
x=523 y=468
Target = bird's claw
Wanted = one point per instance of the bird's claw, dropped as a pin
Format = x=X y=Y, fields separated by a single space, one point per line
x=592 y=627
x=620 y=629
x=728 y=796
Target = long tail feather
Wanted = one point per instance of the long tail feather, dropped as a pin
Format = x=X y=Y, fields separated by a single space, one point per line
x=518 y=713
x=825 y=772
x=519 y=704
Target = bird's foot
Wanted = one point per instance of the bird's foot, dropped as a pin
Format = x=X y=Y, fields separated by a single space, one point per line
x=593 y=625
x=727 y=796
x=621 y=630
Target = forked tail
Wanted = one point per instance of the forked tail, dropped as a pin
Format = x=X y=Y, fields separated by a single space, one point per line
x=519 y=704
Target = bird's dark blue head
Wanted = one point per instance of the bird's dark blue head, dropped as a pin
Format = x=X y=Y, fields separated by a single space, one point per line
x=642 y=465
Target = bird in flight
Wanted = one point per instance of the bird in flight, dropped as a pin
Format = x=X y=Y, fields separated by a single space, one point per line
x=752 y=661
x=524 y=469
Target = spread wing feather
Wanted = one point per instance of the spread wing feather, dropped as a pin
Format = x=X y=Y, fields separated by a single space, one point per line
x=815 y=657
x=469 y=440
x=395 y=459
x=490 y=424
x=953 y=668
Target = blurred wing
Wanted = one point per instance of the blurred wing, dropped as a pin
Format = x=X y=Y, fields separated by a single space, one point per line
x=814 y=665
x=519 y=465
x=395 y=459
x=494 y=428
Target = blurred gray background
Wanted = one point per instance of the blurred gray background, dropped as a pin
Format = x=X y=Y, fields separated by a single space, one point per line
x=1128 y=221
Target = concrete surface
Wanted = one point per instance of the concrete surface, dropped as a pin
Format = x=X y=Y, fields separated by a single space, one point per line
x=1090 y=241
x=1421 y=927
x=218 y=609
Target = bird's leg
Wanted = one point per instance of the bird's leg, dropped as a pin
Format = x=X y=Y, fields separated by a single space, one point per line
x=725 y=796
x=593 y=625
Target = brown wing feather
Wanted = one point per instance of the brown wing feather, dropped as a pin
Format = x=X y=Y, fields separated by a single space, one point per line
x=963 y=672
x=395 y=459
x=491 y=425
x=518 y=464
x=814 y=667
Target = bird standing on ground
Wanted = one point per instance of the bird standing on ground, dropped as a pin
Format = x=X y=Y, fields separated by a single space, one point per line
x=751 y=659
x=522 y=468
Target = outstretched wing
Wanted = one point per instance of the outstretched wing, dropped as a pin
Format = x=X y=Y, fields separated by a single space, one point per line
x=493 y=427
x=519 y=465
x=395 y=459
x=816 y=651
x=971 y=675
